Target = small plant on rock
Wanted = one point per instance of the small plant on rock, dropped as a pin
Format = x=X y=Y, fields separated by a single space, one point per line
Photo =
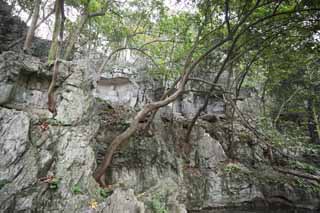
x=76 y=189
x=232 y=168
x=105 y=192
x=158 y=204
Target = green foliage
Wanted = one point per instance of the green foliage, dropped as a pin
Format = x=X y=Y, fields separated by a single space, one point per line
x=90 y=5
x=53 y=122
x=290 y=137
x=231 y=168
x=310 y=187
x=54 y=184
x=3 y=183
x=26 y=5
x=304 y=166
x=76 y=189
x=158 y=204
x=105 y=192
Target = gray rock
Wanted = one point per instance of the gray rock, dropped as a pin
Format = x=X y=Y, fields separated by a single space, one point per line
x=77 y=102
x=163 y=169
x=63 y=149
x=13 y=143
x=6 y=91
x=18 y=89
x=123 y=201
x=18 y=168
x=210 y=152
x=120 y=91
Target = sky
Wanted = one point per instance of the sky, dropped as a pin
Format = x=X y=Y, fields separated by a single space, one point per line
x=182 y=5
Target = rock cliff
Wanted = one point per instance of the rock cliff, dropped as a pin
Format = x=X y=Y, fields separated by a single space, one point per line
x=47 y=162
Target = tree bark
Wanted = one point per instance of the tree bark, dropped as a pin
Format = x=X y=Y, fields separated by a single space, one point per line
x=55 y=36
x=32 y=29
x=316 y=121
x=189 y=67
x=55 y=51
x=74 y=36
x=312 y=123
x=100 y=171
x=283 y=105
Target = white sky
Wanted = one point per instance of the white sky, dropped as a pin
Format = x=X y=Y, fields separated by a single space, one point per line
x=182 y=5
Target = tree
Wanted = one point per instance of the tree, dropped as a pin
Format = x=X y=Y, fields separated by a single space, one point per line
x=234 y=29
x=32 y=28
x=58 y=31
x=238 y=37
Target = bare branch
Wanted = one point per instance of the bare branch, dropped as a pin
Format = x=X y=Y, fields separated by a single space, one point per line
x=37 y=26
x=285 y=103
x=104 y=63
x=100 y=13
x=206 y=82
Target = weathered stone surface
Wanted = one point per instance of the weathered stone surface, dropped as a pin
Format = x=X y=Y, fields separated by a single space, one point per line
x=119 y=91
x=13 y=143
x=18 y=170
x=44 y=147
x=6 y=91
x=210 y=152
x=123 y=201
x=157 y=170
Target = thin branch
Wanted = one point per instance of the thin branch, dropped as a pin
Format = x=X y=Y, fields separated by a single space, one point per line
x=285 y=103
x=206 y=102
x=104 y=63
x=37 y=26
x=155 y=41
x=98 y=174
x=206 y=82
x=100 y=13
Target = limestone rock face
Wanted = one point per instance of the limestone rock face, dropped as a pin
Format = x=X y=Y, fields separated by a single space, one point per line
x=17 y=80
x=119 y=91
x=168 y=173
x=47 y=162
x=45 y=158
x=123 y=201
x=13 y=143
x=18 y=170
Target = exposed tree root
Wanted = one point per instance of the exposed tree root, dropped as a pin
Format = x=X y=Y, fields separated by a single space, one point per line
x=298 y=174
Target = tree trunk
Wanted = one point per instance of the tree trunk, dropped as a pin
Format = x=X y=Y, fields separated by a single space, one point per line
x=74 y=35
x=55 y=51
x=311 y=123
x=32 y=29
x=100 y=171
x=55 y=36
x=188 y=68
x=316 y=121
